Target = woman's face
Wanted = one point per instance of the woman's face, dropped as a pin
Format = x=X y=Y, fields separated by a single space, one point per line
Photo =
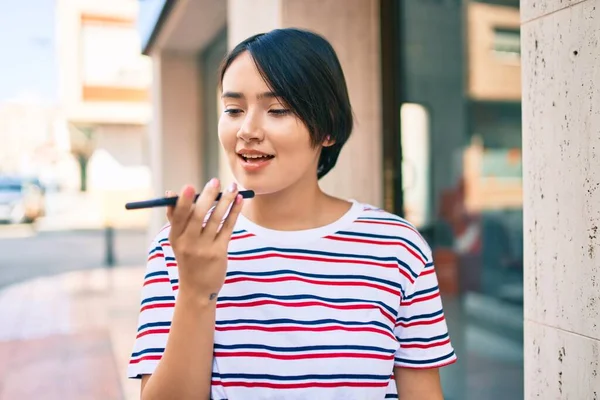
x=267 y=146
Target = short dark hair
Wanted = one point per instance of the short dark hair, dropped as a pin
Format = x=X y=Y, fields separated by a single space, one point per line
x=302 y=68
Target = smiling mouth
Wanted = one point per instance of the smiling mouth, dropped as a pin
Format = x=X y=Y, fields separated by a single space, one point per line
x=255 y=158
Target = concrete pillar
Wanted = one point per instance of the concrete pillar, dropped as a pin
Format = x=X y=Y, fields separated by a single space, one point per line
x=561 y=154
x=352 y=27
x=247 y=18
x=176 y=129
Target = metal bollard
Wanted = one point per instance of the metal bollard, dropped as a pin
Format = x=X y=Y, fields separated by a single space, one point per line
x=109 y=246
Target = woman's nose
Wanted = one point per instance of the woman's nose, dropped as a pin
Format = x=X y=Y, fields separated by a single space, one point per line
x=251 y=129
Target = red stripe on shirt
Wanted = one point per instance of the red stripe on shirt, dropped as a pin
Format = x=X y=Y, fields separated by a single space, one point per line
x=425 y=346
x=302 y=329
x=260 y=354
x=316 y=282
x=160 y=305
x=157 y=280
x=420 y=299
x=156 y=255
x=242 y=236
x=417 y=323
x=152 y=332
x=368 y=241
x=306 y=304
x=269 y=385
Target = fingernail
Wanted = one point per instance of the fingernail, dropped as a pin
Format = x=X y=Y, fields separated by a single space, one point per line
x=238 y=199
x=214 y=182
x=232 y=188
x=189 y=192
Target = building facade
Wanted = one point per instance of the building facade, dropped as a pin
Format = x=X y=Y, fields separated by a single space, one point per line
x=104 y=95
x=437 y=91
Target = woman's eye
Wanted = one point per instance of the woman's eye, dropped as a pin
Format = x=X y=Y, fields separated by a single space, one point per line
x=233 y=111
x=279 y=112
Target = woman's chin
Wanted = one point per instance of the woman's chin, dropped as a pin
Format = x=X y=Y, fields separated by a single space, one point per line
x=259 y=185
x=249 y=183
x=258 y=190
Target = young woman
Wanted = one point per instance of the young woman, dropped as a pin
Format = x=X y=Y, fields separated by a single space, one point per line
x=294 y=294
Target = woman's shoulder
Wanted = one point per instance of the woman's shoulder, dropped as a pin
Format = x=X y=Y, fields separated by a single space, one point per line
x=375 y=221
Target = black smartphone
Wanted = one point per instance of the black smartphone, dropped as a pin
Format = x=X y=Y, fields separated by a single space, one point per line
x=171 y=201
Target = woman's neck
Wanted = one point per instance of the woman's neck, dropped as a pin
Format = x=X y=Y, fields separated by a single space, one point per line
x=298 y=207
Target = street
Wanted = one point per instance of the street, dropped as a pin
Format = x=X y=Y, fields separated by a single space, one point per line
x=26 y=254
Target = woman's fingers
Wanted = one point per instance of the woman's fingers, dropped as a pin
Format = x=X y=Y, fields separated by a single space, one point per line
x=182 y=211
x=202 y=207
x=216 y=218
x=194 y=219
x=229 y=223
x=170 y=209
x=196 y=238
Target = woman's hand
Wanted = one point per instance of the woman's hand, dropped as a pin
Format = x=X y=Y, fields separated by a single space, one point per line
x=201 y=248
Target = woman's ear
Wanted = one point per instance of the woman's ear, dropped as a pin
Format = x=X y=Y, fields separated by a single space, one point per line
x=328 y=141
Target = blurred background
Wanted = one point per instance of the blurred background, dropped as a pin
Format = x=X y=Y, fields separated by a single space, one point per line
x=108 y=101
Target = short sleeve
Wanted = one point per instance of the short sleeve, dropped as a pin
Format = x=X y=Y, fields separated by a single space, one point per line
x=156 y=313
x=421 y=327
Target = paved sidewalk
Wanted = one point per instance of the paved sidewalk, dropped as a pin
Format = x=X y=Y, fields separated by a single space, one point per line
x=70 y=336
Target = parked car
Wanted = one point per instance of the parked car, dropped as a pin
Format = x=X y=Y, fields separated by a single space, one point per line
x=22 y=200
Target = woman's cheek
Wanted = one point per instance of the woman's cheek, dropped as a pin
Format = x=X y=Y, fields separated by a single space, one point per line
x=227 y=134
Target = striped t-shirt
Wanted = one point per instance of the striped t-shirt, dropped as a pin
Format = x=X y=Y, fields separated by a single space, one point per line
x=324 y=313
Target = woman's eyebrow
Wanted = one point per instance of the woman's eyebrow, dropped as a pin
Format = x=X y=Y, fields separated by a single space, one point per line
x=232 y=95
x=267 y=95
x=238 y=95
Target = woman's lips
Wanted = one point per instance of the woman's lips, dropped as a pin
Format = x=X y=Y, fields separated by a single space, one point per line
x=254 y=164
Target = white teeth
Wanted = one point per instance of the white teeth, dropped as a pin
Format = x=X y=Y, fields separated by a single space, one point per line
x=254 y=156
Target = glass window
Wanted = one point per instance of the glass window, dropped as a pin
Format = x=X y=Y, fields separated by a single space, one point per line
x=414 y=122
x=507 y=44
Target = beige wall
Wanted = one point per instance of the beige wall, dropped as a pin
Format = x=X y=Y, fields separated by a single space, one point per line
x=561 y=143
x=247 y=18
x=352 y=27
x=176 y=132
